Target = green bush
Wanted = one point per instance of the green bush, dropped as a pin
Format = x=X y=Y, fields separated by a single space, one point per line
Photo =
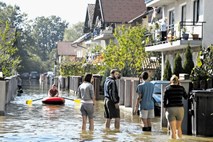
x=167 y=71
x=177 y=65
x=188 y=63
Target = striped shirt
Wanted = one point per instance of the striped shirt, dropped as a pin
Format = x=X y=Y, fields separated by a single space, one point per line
x=173 y=96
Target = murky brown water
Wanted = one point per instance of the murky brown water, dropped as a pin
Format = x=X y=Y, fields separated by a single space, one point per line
x=46 y=123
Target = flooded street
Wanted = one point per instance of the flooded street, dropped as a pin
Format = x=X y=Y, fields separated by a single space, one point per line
x=48 y=123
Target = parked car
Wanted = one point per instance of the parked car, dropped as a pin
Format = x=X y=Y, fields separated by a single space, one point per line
x=25 y=75
x=50 y=74
x=34 y=75
x=157 y=95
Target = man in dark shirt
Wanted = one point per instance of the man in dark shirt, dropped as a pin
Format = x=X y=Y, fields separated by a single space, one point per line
x=111 y=100
x=53 y=92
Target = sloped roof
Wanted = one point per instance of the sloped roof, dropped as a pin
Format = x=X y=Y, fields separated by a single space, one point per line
x=90 y=10
x=66 y=48
x=121 y=11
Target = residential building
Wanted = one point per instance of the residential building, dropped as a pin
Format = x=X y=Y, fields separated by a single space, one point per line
x=66 y=51
x=180 y=16
x=107 y=15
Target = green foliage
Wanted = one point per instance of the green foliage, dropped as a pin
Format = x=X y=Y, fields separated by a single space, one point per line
x=203 y=70
x=74 y=32
x=129 y=52
x=8 y=61
x=34 y=40
x=47 y=31
x=167 y=71
x=177 y=65
x=188 y=63
x=78 y=68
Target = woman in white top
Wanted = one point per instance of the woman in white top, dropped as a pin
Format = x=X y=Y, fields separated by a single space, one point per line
x=86 y=93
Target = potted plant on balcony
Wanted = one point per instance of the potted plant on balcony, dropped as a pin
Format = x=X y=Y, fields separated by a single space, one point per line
x=184 y=34
x=194 y=36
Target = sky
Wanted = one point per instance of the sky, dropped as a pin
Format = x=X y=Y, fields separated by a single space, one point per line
x=73 y=11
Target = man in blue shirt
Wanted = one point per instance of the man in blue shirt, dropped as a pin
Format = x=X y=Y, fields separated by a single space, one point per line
x=145 y=100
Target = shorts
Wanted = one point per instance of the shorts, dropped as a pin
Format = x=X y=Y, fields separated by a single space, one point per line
x=110 y=110
x=87 y=110
x=174 y=113
x=146 y=114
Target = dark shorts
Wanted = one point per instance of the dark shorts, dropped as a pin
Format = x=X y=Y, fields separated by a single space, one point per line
x=87 y=110
x=110 y=110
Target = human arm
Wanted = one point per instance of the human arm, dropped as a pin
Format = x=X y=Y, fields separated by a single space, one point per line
x=185 y=96
x=79 y=92
x=49 y=93
x=57 y=94
x=138 y=100
x=114 y=92
x=165 y=98
x=92 y=94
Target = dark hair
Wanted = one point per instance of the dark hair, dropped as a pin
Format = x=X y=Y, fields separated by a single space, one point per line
x=113 y=71
x=88 y=77
x=145 y=75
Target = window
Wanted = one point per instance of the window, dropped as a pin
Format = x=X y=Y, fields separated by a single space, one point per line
x=183 y=13
x=196 y=11
x=171 y=19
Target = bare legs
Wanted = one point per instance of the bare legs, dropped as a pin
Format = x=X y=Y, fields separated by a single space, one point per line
x=117 y=123
x=91 y=124
x=84 y=122
x=179 y=129
x=175 y=126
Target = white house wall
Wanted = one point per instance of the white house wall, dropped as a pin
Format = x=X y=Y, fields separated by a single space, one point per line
x=208 y=26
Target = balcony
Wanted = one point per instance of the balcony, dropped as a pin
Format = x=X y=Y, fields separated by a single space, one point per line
x=177 y=37
x=156 y=3
x=103 y=34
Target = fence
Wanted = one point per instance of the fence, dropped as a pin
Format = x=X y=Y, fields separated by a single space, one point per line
x=8 y=88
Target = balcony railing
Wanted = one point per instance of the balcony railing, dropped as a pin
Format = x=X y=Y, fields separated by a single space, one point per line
x=184 y=30
x=99 y=31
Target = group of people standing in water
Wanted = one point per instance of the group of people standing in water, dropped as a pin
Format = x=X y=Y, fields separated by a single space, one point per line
x=172 y=103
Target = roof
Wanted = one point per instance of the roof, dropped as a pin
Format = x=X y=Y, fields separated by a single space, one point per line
x=139 y=17
x=90 y=10
x=121 y=11
x=66 y=48
x=89 y=17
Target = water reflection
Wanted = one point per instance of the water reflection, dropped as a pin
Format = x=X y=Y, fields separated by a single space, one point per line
x=50 y=123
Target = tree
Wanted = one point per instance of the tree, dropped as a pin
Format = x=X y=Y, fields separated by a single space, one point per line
x=128 y=53
x=188 y=63
x=167 y=71
x=16 y=20
x=177 y=65
x=47 y=31
x=74 y=32
x=8 y=61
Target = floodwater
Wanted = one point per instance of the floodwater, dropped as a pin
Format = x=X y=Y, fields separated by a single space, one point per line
x=46 y=123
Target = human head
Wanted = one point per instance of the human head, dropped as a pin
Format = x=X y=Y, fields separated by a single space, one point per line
x=115 y=73
x=54 y=87
x=144 y=75
x=88 y=77
x=174 y=80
